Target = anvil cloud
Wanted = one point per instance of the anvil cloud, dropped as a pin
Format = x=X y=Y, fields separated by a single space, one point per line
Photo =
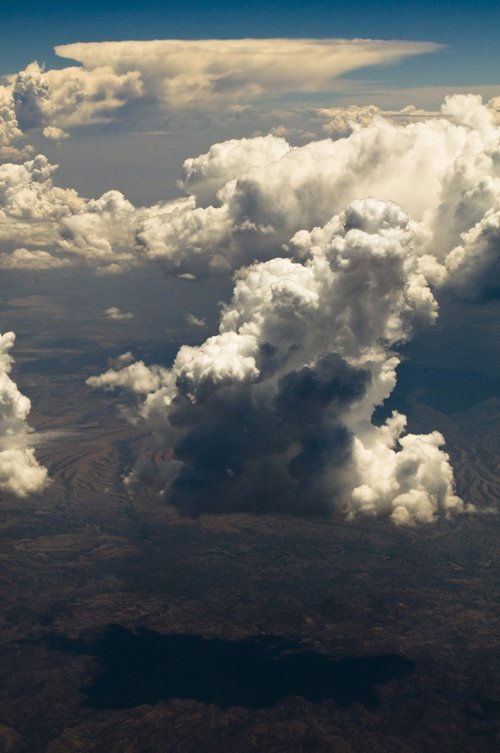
x=193 y=76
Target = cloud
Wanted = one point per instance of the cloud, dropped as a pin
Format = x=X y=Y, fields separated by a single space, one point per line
x=31 y=206
x=62 y=98
x=245 y=198
x=22 y=258
x=342 y=121
x=473 y=267
x=208 y=74
x=494 y=107
x=274 y=412
x=196 y=321
x=154 y=81
x=46 y=220
x=135 y=376
x=11 y=135
x=324 y=296
x=20 y=473
x=52 y=133
x=114 y=313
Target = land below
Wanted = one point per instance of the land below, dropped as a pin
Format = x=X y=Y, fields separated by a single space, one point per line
x=125 y=628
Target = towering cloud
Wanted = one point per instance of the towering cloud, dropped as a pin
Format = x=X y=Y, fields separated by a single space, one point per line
x=442 y=171
x=11 y=148
x=175 y=77
x=20 y=473
x=274 y=412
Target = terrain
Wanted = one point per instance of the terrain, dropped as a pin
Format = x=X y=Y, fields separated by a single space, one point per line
x=127 y=629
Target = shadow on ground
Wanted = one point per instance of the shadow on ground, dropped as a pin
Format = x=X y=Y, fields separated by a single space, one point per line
x=146 y=667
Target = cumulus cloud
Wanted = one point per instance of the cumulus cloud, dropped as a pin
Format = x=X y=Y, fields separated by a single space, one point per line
x=23 y=258
x=57 y=99
x=113 y=312
x=274 y=412
x=245 y=198
x=11 y=135
x=31 y=206
x=52 y=133
x=134 y=376
x=342 y=121
x=20 y=472
x=55 y=226
x=473 y=267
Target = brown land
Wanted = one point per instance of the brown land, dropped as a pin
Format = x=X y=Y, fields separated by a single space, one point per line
x=238 y=634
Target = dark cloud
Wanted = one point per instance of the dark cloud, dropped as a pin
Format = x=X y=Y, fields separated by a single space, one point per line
x=246 y=449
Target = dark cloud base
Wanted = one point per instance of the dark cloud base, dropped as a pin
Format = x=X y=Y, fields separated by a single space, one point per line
x=244 y=450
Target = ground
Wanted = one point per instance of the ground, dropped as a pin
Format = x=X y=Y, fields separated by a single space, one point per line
x=127 y=629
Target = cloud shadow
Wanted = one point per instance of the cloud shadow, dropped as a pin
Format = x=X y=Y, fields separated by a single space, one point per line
x=146 y=667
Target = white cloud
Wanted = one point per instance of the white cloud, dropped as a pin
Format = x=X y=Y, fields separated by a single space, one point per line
x=246 y=198
x=342 y=121
x=11 y=147
x=473 y=267
x=27 y=193
x=63 y=98
x=113 y=312
x=135 y=376
x=52 y=133
x=440 y=170
x=205 y=74
x=196 y=321
x=186 y=79
x=22 y=258
x=206 y=175
x=20 y=473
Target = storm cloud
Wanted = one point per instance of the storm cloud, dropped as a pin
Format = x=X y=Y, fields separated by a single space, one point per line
x=274 y=413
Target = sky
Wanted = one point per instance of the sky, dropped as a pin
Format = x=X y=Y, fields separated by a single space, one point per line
x=336 y=167
x=30 y=30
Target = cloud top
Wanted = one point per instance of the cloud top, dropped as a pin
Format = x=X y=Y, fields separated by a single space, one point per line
x=206 y=73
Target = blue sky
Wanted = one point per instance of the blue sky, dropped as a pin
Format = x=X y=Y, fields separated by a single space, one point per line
x=31 y=29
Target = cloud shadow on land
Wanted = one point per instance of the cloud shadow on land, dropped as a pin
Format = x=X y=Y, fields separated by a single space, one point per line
x=146 y=667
